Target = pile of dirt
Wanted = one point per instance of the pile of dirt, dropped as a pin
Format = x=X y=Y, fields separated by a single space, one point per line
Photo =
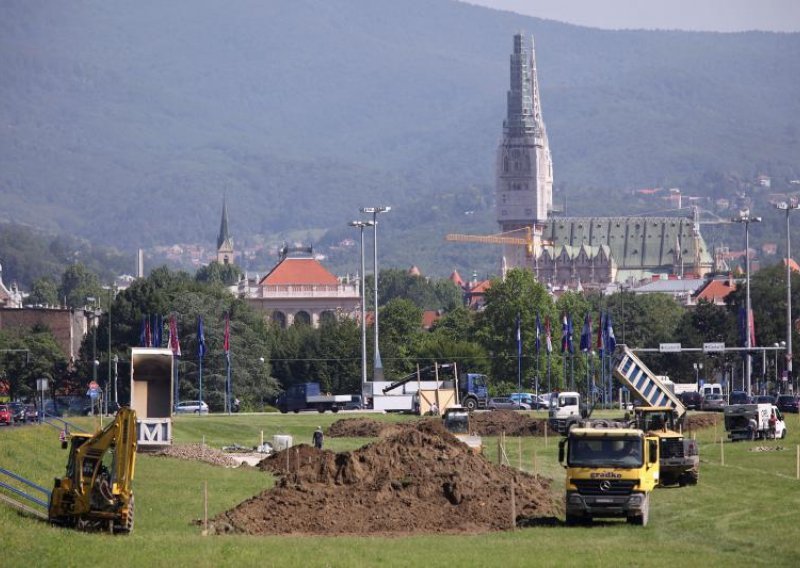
x=511 y=422
x=361 y=427
x=418 y=480
x=198 y=452
x=704 y=420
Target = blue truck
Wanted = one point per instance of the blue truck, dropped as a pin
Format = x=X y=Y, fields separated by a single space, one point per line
x=473 y=391
x=309 y=396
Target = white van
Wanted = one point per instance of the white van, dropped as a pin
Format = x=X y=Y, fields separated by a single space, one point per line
x=711 y=388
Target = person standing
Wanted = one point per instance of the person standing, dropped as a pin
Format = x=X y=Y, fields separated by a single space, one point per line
x=773 y=423
x=317 y=438
x=752 y=426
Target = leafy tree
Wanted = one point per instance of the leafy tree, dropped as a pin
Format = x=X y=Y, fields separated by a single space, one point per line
x=519 y=294
x=77 y=284
x=27 y=356
x=216 y=273
x=400 y=331
x=44 y=292
x=425 y=293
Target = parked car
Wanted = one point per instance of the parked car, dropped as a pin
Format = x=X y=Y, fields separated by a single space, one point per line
x=17 y=411
x=692 y=400
x=31 y=414
x=191 y=407
x=5 y=415
x=355 y=403
x=713 y=402
x=764 y=399
x=506 y=403
x=788 y=403
x=740 y=397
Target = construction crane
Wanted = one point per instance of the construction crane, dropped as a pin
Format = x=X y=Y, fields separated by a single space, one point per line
x=507 y=238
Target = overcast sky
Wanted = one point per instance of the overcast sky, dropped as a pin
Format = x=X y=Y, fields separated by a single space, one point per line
x=699 y=15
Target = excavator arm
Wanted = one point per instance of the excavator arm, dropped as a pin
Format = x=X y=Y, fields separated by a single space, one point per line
x=96 y=491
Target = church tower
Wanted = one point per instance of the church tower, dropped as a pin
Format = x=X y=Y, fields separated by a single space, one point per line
x=524 y=186
x=224 y=240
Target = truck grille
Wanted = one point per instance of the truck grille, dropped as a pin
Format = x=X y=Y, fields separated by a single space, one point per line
x=608 y=487
x=671 y=448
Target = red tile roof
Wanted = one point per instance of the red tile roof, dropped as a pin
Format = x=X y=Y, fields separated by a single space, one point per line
x=716 y=291
x=792 y=265
x=430 y=317
x=299 y=271
x=456 y=279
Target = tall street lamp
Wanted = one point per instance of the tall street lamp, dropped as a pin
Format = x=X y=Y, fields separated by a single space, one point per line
x=788 y=206
x=361 y=225
x=377 y=372
x=746 y=218
x=697 y=368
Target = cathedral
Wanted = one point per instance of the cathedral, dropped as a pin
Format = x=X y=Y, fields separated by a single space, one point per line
x=575 y=251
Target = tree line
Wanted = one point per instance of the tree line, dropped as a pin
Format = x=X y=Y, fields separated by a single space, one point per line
x=265 y=358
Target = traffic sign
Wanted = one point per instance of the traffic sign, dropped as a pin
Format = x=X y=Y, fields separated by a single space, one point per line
x=713 y=347
x=669 y=347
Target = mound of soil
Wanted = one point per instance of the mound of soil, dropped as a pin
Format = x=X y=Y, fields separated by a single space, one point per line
x=420 y=479
x=511 y=422
x=361 y=428
x=704 y=420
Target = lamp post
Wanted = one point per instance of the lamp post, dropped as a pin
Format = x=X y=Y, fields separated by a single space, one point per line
x=377 y=372
x=746 y=218
x=360 y=225
x=788 y=206
x=697 y=368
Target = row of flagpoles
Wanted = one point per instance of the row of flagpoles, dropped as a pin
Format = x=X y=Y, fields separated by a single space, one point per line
x=151 y=335
x=606 y=343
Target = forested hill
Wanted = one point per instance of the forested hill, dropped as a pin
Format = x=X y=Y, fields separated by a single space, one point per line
x=126 y=122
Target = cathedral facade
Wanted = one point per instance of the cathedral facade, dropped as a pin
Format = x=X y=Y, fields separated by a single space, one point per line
x=575 y=251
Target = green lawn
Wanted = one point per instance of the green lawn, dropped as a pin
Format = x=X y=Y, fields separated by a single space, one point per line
x=746 y=512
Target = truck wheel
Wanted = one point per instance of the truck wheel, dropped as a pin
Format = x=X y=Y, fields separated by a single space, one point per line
x=321 y=410
x=692 y=477
x=641 y=520
x=470 y=404
x=335 y=409
x=783 y=434
x=572 y=520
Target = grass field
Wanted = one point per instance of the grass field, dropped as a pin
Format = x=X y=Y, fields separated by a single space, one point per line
x=745 y=513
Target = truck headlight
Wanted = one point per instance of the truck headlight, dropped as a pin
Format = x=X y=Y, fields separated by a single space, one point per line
x=575 y=499
x=635 y=500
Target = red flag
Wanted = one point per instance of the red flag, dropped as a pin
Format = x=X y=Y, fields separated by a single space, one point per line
x=226 y=344
x=174 y=343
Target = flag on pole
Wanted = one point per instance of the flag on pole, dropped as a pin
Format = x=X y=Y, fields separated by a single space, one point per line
x=564 y=333
x=201 y=338
x=143 y=333
x=148 y=335
x=226 y=342
x=570 y=333
x=610 y=340
x=538 y=342
x=174 y=343
x=600 y=333
x=158 y=326
x=586 y=334
x=548 y=335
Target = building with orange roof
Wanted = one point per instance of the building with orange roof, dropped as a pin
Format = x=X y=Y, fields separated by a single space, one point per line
x=715 y=291
x=300 y=290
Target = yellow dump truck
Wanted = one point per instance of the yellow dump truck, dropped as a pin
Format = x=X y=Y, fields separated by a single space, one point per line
x=610 y=473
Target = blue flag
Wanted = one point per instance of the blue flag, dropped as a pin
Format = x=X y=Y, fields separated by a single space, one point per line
x=201 y=338
x=564 y=334
x=538 y=342
x=570 y=333
x=586 y=334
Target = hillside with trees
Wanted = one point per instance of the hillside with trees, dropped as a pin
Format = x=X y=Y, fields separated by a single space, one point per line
x=126 y=123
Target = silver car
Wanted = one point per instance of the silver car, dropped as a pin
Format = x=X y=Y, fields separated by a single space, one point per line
x=713 y=402
x=191 y=407
x=506 y=403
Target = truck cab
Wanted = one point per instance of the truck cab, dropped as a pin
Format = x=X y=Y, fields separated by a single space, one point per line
x=473 y=391
x=609 y=473
x=565 y=411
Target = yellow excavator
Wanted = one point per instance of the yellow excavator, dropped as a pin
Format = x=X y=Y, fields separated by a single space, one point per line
x=96 y=492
